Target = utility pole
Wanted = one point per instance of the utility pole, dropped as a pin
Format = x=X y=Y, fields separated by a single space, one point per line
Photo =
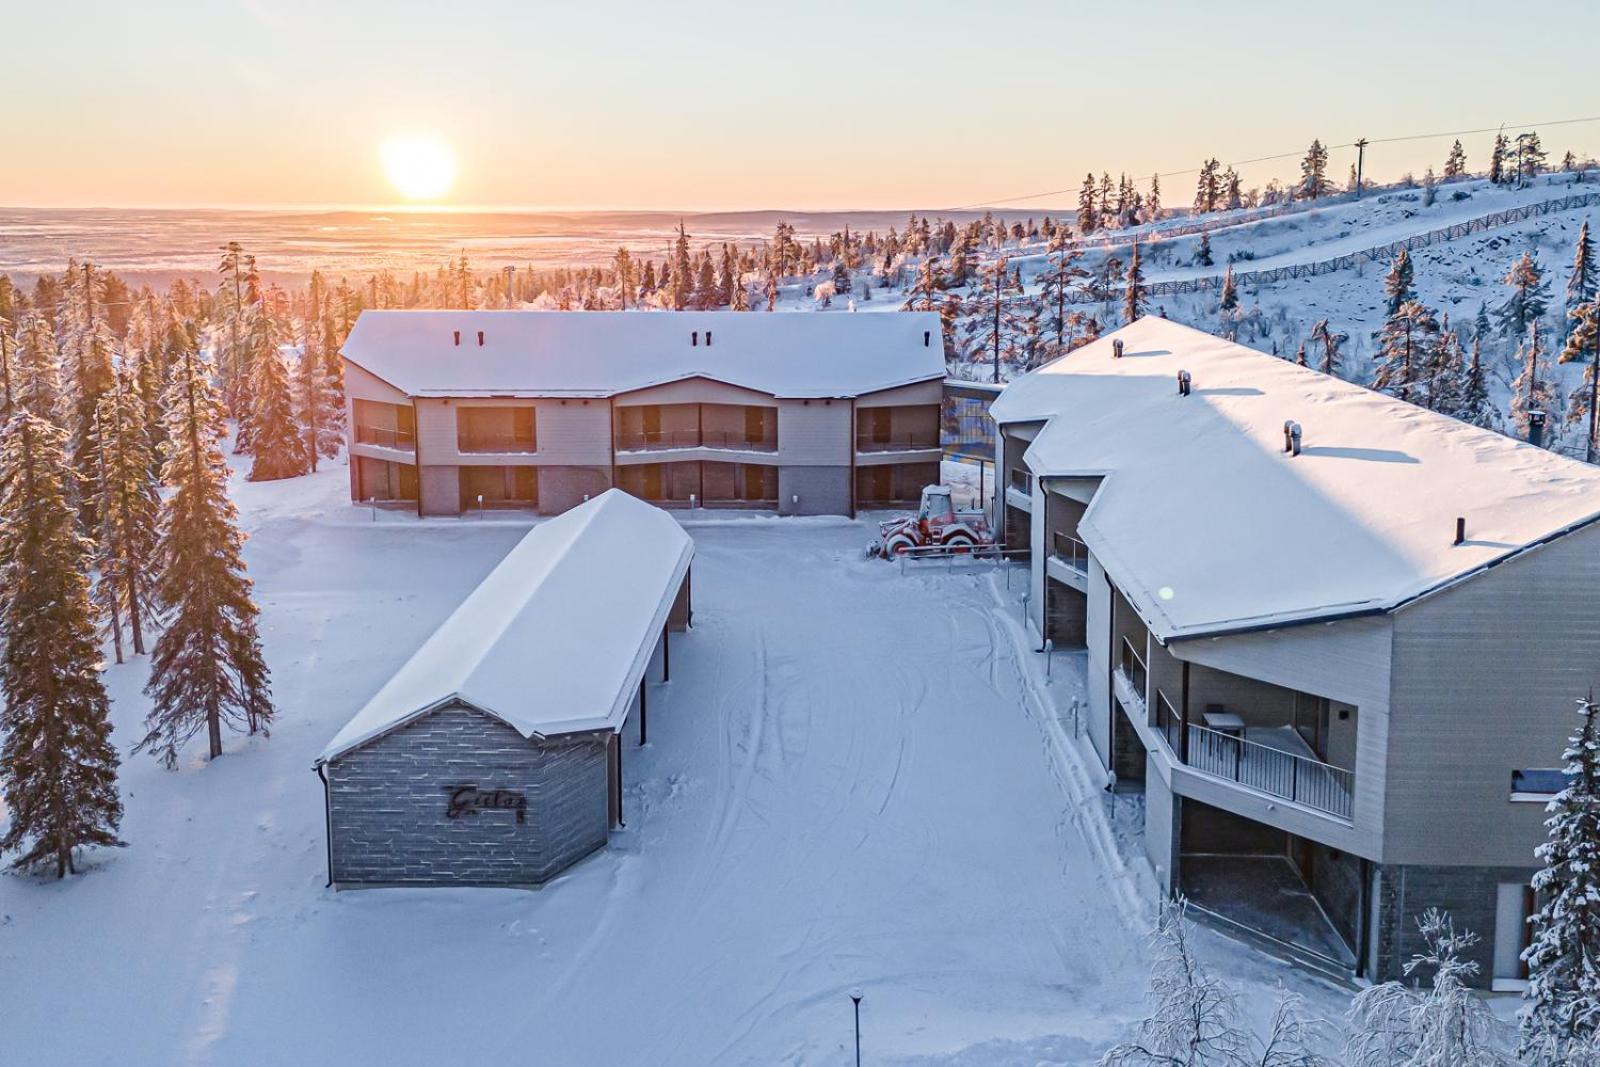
x=1361 y=156
x=999 y=273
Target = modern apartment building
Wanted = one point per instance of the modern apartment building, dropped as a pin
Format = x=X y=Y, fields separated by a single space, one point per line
x=798 y=413
x=1334 y=639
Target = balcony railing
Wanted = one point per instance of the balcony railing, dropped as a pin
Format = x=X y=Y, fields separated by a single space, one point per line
x=1289 y=775
x=1070 y=551
x=1133 y=668
x=906 y=442
x=495 y=442
x=1169 y=722
x=646 y=440
x=386 y=436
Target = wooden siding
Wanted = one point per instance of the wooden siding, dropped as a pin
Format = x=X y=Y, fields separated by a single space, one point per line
x=1485 y=678
x=815 y=433
x=360 y=384
x=695 y=391
x=916 y=393
x=570 y=433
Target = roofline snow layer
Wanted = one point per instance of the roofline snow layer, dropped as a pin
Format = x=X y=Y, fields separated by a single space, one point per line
x=1207 y=525
x=557 y=638
x=603 y=353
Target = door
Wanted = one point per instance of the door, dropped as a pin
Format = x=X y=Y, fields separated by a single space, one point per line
x=652 y=473
x=755 y=425
x=879 y=421
x=650 y=418
x=1513 y=905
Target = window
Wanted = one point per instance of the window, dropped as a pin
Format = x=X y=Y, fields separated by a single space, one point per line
x=389 y=425
x=495 y=429
x=1538 y=783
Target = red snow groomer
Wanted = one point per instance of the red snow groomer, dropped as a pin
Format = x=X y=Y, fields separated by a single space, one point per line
x=936 y=525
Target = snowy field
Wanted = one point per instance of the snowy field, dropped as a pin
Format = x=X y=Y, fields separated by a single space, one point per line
x=856 y=780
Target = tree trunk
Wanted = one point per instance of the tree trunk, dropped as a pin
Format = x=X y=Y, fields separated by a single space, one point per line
x=214 y=732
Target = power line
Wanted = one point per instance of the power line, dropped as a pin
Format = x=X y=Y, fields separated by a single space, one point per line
x=1288 y=155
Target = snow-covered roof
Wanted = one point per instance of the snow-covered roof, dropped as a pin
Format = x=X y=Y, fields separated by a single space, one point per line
x=602 y=353
x=557 y=637
x=1207 y=526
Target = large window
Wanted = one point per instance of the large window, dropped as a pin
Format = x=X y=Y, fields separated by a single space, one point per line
x=495 y=429
x=492 y=487
x=388 y=425
x=382 y=480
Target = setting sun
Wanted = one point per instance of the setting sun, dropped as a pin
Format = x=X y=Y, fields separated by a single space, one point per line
x=419 y=166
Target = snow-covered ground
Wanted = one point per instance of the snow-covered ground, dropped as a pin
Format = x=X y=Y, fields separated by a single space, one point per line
x=857 y=779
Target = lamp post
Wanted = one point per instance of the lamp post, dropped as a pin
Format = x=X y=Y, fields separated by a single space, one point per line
x=855 y=998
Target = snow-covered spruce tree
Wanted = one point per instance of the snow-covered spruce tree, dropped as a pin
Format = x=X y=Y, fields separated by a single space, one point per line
x=1406 y=345
x=1314 y=172
x=1497 y=159
x=1475 y=406
x=1229 y=300
x=1455 y=164
x=238 y=290
x=1442 y=1025
x=1447 y=373
x=1330 y=341
x=1134 y=296
x=1528 y=299
x=277 y=448
x=208 y=669
x=1530 y=156
x=86 y=358
x=130 y=504
x=1399 y=285
x=58 y=767
x=1563 y=997
x=681 y=270
x=1584 y=342
x=319 y=419
x=1581 y=282
x=1532 y=390
x=1202 y=253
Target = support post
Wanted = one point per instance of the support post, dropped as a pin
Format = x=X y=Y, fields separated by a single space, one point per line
x=644 y=714
x=666 y=654
x=1183 y=735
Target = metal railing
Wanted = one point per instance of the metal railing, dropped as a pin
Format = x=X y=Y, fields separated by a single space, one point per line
x=1133 y=667
x=1022 y=481
x=1169 y=722
x=645 y=440
x=906 y=442
x=1293 y=777
x=495 y=442
x=1070 y=551
x=386 y=437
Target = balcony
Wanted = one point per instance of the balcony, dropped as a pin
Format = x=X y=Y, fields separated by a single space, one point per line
x=661 y=440
x=1133 y=668
x=495 y=443
x=907 y=442
x=386 y=437
x=1268 y=759
x=1069 y=552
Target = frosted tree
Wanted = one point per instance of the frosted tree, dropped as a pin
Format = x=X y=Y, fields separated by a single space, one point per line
x=1584 y=342
x=1330 y=340
x=1399 y=285
x=1532 y=390
x=1406 y=348
x=237 y=292
x=1455 y=164
x=1528 y=299
x=277 y=449
x=1229 y=300
x=1134 y=296
x=1429 y=188
x=1563 y=997
x=1152 y=203
x=208 y=669
x=1056 y=286
x=1441 y=1025
x=130 y=505
x=1530 y=156
x=1208 y=188
x=1474 y=406
x=1202 y=253
x=1314 y=172
x=86 y=357
x=1088 y=216
x=1497 y=159
x=58 y=767
x=681 y=276
x=1581 y=282
x=1447 y=374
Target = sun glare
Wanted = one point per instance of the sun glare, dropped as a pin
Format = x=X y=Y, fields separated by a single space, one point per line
x=419 y=166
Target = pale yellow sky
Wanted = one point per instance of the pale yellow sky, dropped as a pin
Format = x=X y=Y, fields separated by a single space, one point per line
x=714 y=105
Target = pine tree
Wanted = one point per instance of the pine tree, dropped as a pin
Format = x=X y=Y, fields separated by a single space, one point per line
x=1584 y=340
x=1230 y=291
x=277 y=448
x=1055 y=291
x=236 y=292
x=1563 y=997
x=681 y=276
x=1330 y=345
x=1447 y=372
x=1497 y=159
x=1202 y=254
x=319 y=419
x=1300 y=355
x=1455 y=164
x=1405 y=349
x=130 y=502
x=1532 y=390
x=87 y=356
x=208 y=669
x=1398 y=285
x=58 y=766
x=1088 y=217
x=1530 y=156
x=1581 y=282
x=1134 y=296
x=1475 y=407
x=1206 y=190
x=1528 y=299
x=1314 y=172
x=1152 y=203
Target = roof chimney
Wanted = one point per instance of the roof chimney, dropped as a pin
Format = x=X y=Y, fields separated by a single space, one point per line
x=926 y=334
x=1116 y=348
x=480 y=338
x=1291 y=437
x=694 y=338
x=1461 y=529
x=456 y=335
x=1183 y=383
x=708 y=338
x=1536 y=428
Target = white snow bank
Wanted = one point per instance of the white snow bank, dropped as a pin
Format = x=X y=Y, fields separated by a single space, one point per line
x=1206 y=525
x=601 y=353
x=557 y=637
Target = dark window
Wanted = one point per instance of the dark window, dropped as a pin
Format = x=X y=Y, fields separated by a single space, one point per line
x=1545 y=781
x=496 y=429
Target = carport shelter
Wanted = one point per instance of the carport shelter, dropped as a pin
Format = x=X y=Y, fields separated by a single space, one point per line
x=493 y=757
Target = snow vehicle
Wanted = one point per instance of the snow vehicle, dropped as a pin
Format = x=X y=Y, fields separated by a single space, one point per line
x=937 y=524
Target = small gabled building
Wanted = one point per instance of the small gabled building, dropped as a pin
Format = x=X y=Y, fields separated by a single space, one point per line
x=1335 y=639
x=494 y=756
x=453 y=411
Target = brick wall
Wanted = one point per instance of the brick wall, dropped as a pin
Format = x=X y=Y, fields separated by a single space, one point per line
x=389 y=802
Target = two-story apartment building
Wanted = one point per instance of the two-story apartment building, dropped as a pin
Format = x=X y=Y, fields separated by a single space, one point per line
x=803 y=414
x=1335 y=640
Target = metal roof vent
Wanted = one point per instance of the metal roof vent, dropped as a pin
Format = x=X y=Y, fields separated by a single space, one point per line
x=1461 y=529
x=1184 y=383
x=480 y=338
x=708 y=338
x=1291 y=437
x=1116 y=349
x=694 y=339
x=926 y=337
x=456 y=334
x=1536 y=428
